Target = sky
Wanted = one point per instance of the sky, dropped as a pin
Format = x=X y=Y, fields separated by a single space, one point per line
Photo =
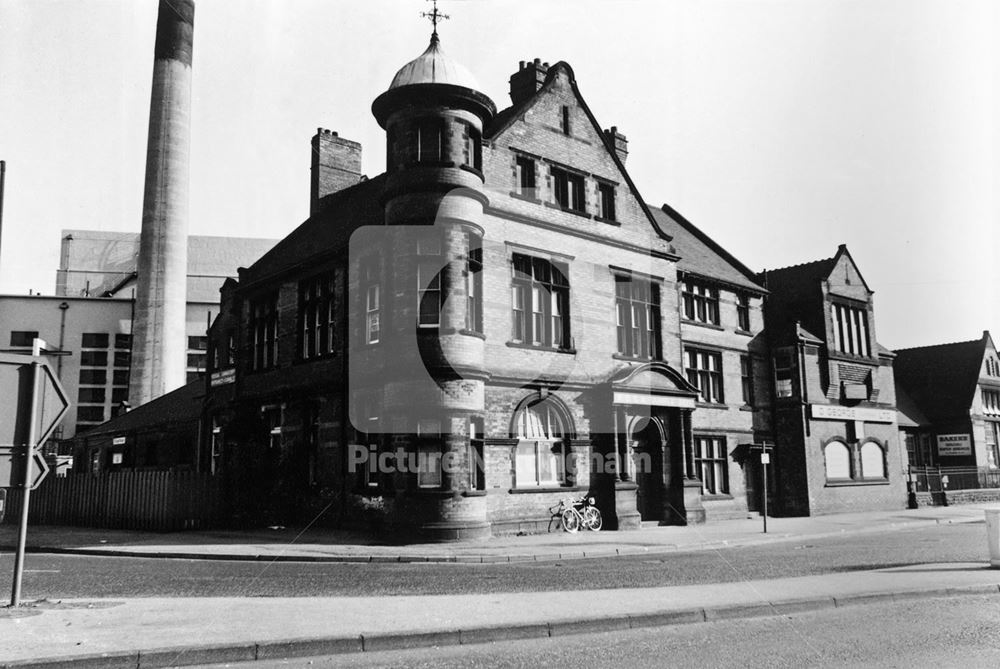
x=781 y=128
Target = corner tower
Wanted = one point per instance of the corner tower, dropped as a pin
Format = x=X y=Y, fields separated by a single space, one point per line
x=433 y=114
x=159 y=345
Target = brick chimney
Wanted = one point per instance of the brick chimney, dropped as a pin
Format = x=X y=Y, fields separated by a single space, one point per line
x=527 y=80
x=336 y=165
x=618 y=141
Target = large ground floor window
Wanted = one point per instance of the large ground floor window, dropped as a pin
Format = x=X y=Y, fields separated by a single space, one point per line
x=710 y=464
x=542 y=445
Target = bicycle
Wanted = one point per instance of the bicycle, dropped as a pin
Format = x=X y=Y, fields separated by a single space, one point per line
x=580 y=513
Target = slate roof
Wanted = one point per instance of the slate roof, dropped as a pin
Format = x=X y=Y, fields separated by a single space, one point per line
x=700 y=254
x=908 y=414
x=941 y=380
x=797 y=278
x=178 y=406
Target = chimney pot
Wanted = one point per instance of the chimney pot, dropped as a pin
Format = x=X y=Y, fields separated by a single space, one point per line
x=527 y=80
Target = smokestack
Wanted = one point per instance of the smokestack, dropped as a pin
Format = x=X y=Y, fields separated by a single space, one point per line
x=159 y=341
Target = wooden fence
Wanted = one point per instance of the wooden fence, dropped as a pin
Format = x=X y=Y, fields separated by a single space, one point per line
x=153 y=500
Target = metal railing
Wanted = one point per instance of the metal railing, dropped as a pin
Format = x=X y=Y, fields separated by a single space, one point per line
x=937 y=479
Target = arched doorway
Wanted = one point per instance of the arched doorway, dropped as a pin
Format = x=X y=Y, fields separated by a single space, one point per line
x=647 y=441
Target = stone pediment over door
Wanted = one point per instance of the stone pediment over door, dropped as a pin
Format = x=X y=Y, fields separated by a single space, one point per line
x=653 y=384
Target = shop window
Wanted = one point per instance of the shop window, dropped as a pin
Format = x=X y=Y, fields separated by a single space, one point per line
x=541 y=448
x=850 y=330
x=872 y=461
x=701 y=302
x=637 y=314
x=23 y=338
x=710 y=465
x=540 y=302
x=837 y=456
x=704 y=370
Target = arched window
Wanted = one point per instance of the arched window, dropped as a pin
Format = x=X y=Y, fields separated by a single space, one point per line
x=540 y=428
x=838 y=461
x=872 y=461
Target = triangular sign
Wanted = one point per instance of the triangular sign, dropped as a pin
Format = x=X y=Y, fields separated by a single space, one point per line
x=52 y=404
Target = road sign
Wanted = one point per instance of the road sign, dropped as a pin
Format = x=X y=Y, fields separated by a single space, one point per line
x=39 y=471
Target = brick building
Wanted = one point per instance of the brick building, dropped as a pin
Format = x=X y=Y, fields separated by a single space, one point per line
x=833 y=411
x=496 y=323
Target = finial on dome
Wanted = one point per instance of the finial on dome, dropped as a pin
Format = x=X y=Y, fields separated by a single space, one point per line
x=434 y=15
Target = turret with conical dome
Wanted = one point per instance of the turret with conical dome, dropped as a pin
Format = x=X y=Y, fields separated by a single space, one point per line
x=433 y=115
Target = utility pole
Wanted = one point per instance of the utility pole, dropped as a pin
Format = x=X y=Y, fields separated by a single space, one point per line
x=3 y=178
x=22 y=531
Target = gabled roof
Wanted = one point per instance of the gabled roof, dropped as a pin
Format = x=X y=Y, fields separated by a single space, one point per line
x=908 y=414
x=807 y=273
x=941 y=379
x=178 y=406
x=507 y=117
x=700 y=254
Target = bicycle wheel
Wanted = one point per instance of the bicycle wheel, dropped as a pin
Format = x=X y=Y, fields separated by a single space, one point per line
x=592 y=518
x=570 y=520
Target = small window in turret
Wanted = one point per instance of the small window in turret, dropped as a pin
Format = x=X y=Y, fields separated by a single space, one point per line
x=428 y=141
x=472 y=147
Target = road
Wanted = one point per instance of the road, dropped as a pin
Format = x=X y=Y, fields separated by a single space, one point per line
x=956 y=632
x=65 y=576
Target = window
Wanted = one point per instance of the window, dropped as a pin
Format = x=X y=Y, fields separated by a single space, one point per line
x=743 y=311
x=123 y=358
x=95 y=340
x=746 y=378
x=872 y=461
x=701 y=302
x=93 y=358
x=430 y=297
x=95 y=377
x=784 y=373
x=606 y=201
x=90 y=414
x=564 y=121
x=372 y=292
x=123 y=341
x=119 y=378
x=264 y=331
x=524 y=176
x=992 y=444
x=472 y=147
x=567 y=190
x=198 y=343
x=91 y=396
x=540 y=302
x=710 y=464
x=429 y=135
x=541 y=447
x=850 y=330
x=474 y=283
x=477 y=471
x=991 y=402
x=315 y=317
x=838 y=461
x=704 y=370
x=637 y=306
x=992 y=367
x=429 y=454
x=119 y=395
x=23 y=337
x=196 y=362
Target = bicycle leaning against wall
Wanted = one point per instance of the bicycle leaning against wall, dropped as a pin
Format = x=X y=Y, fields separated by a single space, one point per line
x=578 y=513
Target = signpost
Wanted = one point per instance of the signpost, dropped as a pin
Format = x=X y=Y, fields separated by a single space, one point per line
x=765 y=459
x=37 y=403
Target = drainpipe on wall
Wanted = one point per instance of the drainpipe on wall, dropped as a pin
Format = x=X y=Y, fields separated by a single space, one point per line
x=63 y=308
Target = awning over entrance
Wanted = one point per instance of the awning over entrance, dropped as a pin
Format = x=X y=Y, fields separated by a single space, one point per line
x=653 y=384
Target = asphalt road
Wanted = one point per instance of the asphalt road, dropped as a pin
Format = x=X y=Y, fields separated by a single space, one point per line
x=957 y=632
x=65 y=576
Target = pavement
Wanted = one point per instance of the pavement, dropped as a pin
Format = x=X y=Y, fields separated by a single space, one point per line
x=154 y=632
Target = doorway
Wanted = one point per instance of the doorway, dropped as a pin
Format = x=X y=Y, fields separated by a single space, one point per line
x=647 y=461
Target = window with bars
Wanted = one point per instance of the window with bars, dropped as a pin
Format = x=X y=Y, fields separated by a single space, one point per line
x=540 y=302
x=316 y=317
x=746 y=379
x=264 y=332
x=568 y=190
x=710 y=465
x=701 y=302
x=637 y=313
x=743 y=311
x=704 y=370
x=850 y=330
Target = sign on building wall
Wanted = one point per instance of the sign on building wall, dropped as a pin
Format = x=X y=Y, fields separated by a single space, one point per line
x=837 y=412
x=954 y=444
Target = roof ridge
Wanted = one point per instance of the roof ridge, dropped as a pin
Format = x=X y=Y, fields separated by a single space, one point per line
x=941 y=345
x=801 y=264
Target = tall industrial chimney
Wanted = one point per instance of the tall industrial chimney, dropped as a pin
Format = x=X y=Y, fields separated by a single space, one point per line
x=159 y=342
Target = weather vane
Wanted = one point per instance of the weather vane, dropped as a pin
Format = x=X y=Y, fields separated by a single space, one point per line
x=434 y=15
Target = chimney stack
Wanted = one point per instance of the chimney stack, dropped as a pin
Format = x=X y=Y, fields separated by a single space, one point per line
x=336 y=165
x=159 y=333
x=527 y=80
x=618 y=141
